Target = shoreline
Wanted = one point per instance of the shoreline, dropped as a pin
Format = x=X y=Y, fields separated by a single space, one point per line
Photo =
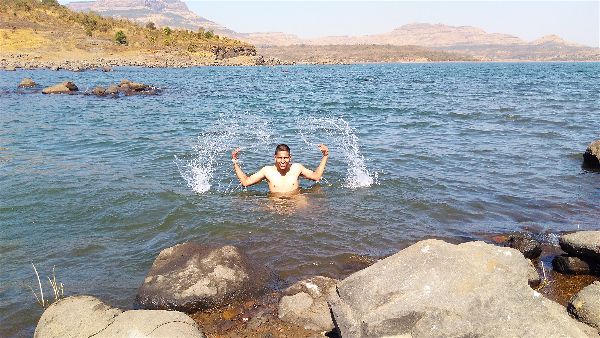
x=13 y=62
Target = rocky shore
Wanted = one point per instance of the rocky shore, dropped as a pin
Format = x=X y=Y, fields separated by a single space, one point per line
x=432 y=288
x=159 y=59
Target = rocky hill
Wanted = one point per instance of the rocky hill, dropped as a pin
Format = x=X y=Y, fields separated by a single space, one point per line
x=162 y=13
x=36 y=33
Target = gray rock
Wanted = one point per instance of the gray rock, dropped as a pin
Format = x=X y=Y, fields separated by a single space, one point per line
x=585 y=305
x=27 y=83
x=61 y=88
x=86 y=316
x=571 y=265
x=526 y=244
x=152 y=323
x=436 y=289
x=591 y=157
x=191 y=276
x=305 y=304
x=78 y=316
x=582 y=244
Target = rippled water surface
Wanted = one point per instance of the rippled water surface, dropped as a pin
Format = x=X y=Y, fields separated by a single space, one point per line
x=98 y=186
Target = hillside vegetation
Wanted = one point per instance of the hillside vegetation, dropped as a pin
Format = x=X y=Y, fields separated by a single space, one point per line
x=44 y=30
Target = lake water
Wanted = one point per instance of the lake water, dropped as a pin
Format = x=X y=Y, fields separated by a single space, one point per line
x=98 y=186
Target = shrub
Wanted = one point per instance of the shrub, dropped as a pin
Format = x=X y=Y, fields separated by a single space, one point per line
x=121 y=38
x=167 y=30
x=150 y=25
x=209 y=34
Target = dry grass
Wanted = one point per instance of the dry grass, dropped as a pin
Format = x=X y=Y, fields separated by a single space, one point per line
x=58 y=289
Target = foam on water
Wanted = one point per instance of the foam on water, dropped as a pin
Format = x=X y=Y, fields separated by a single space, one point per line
x=343 y=137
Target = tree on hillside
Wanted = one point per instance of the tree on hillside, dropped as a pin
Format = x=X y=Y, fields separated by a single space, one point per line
x=120 y=38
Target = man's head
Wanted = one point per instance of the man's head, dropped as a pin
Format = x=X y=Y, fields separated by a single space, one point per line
x=283 y=157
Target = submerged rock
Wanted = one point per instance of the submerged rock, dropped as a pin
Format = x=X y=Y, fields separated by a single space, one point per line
x=436 y=289
x=585 y=305
x=86 y=316
x=61 y=88
x=27 y=83
x=591 y=157
x=305 y=304
x=191 y=276
x=571 y=265
x=582 y=244
x=525 y=243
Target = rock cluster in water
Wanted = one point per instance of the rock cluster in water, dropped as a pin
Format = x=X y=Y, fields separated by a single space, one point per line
x=430 y=289
x=125 y=87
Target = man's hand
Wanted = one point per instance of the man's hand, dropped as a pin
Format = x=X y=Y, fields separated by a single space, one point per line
x=323 y=148
x=234 y=155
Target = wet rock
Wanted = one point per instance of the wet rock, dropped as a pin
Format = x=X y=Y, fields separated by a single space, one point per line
x=10 y=69
x=582 y=244
x=525 y=243
x=591 y=157
x=106 y=69
x=571 y=265
x=305 y=304
x=86 y=316
x=112 y=90
x=27 y=83
x=190 y=277
x=585 y=305
x=99 y=91
x=131 y=88
x=61 y=88
x=436 y=289
x=55 y=68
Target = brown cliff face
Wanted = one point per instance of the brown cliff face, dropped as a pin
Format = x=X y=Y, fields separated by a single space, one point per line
x=163 y=13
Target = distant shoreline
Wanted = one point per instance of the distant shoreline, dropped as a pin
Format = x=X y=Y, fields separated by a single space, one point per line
x=9 y=64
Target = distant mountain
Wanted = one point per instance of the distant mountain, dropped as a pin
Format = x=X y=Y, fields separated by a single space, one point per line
x=464 y=40
x=172 y=13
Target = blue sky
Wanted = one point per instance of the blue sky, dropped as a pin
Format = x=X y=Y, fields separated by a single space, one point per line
x=576 y=21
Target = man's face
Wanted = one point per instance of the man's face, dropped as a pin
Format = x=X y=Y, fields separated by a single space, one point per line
x=282 y=160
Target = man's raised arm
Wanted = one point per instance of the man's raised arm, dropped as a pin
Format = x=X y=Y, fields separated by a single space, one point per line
x=318 y=173
x=244 y=179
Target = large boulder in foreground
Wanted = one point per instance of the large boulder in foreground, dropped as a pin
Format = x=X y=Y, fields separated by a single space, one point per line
x=436 y=289
x=305 y=303
x=585 y=305
x=582 y=244
x=591 y=157
x=190 y=277
x=61 y=88
x=86 y=316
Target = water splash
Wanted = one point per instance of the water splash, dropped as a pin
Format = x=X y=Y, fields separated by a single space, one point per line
x=209 y=164
x=344 y=138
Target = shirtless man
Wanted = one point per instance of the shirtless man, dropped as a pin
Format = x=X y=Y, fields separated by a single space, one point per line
x=283 y=176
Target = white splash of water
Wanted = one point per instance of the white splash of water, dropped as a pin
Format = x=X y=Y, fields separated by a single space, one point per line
x=209 y=165
x=344 y=138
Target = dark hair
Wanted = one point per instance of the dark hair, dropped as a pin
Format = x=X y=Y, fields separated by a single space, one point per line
x=282 y=147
